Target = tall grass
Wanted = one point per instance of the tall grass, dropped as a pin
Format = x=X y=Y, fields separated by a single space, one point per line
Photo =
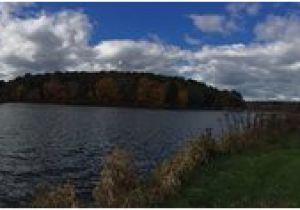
x=250 y=130
x=60 y=197
x=119 y=185
x=168 y=176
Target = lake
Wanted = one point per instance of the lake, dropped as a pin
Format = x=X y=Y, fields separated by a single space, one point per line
x=55 y=143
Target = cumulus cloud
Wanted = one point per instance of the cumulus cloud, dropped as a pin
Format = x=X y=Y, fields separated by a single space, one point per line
x=228 y=22
x=213 y=23
x=44 y=43
x=129 y=55
x=259 y=71
x=9 y=9
x=49 y=42
x=237 y=9
x=279 y=28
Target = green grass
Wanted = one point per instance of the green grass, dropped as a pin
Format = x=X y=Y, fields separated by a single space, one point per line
x=268 y=176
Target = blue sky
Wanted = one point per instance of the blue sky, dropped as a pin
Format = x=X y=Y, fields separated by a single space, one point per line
x=250 y=47
x=169 y=21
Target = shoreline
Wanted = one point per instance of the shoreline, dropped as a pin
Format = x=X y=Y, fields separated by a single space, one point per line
x=262 y=177
x=127 y=107
x=120 y=186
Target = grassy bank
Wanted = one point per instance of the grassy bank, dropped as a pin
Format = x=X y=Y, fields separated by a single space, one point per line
x=253 y=164
x=265 y=176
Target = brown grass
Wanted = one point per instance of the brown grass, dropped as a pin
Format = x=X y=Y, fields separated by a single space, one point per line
x=119 y=185
x=168 y=177
x=60 y=197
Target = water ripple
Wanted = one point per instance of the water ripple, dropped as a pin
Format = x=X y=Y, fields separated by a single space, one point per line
x=53 y=144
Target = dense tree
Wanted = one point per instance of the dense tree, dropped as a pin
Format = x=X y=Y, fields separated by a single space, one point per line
x=117 y=89
x=2 y=87
x=171 y=93
x=150 y=93
x=107 y=91
x=182 y=99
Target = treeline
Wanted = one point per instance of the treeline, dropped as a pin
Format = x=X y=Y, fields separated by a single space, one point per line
x=283 y=106
x=117 y=89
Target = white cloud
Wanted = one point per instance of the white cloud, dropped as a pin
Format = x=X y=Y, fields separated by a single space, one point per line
x=9 y=9
x=191 y=40
x=279 y=28
x=44 y=42
x=132 y=55
x=261 y=70
x=237 y=9
x=213 y=23
x=228 y=22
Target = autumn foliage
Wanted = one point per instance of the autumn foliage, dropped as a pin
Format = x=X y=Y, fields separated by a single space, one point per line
x=117 y=89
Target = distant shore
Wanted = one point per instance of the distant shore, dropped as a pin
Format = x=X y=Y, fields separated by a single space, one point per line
x=116 y=89
x=131 y=107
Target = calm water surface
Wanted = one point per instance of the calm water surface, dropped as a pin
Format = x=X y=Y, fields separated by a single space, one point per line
x=54 y=143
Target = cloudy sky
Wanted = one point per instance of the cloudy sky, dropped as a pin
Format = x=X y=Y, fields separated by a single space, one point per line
x=251 y=47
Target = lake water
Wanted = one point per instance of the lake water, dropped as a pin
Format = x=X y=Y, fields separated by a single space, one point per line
x=54 y=143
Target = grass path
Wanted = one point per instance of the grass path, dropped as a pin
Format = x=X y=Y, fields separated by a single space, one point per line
x=265 y=177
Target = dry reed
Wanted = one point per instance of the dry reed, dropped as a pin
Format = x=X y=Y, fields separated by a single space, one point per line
x=119 y=185
x=60 y=197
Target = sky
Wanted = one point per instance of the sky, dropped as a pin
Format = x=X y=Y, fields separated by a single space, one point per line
x=250 y=47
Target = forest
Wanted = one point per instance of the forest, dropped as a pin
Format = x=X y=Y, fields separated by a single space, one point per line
x=125 y=89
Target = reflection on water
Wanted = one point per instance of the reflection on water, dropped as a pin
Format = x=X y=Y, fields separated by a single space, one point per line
x=54 y=143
